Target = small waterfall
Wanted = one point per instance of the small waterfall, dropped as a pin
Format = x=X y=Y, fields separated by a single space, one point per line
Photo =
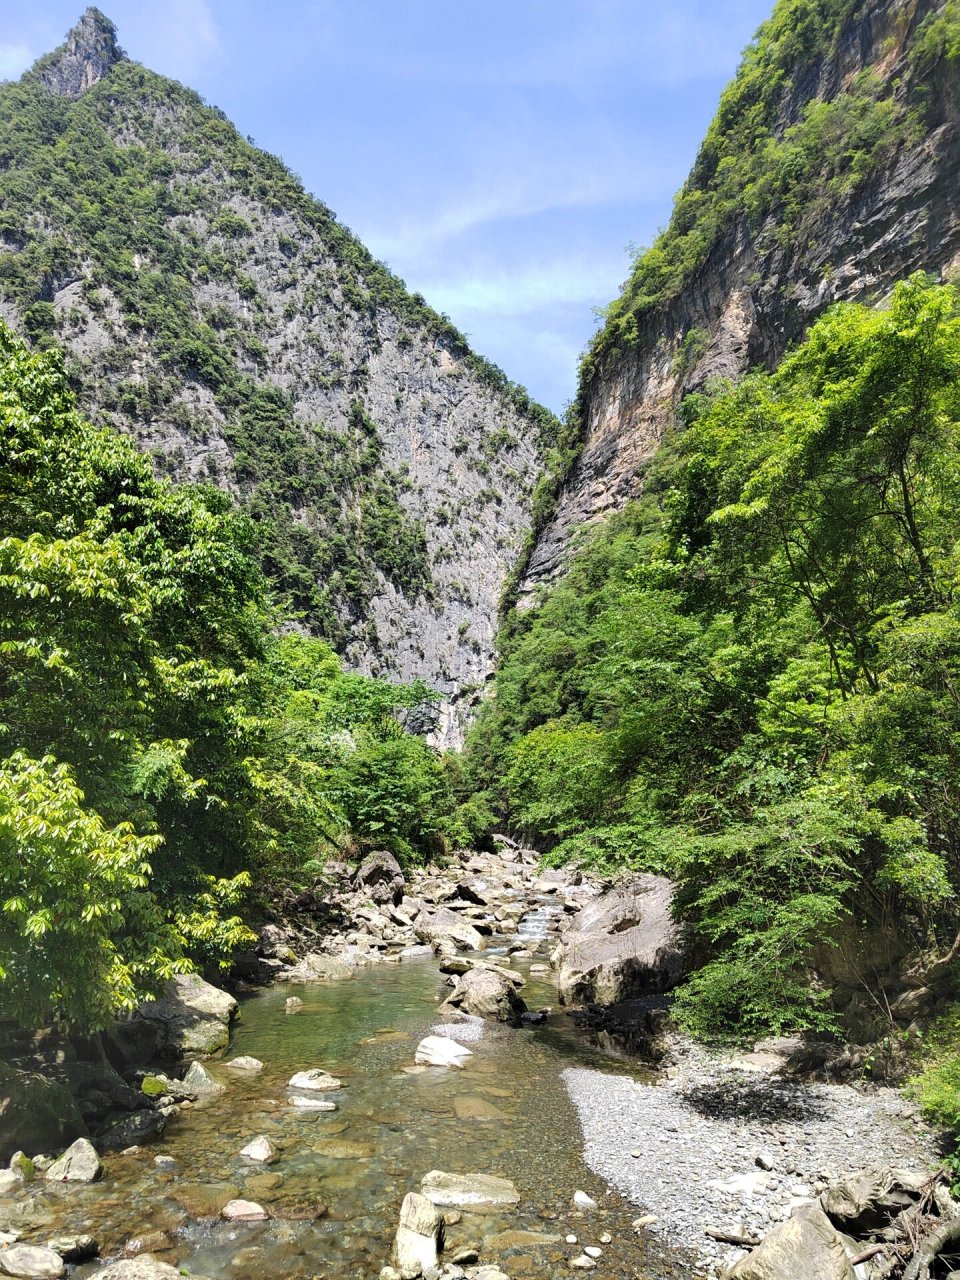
x=536 y=924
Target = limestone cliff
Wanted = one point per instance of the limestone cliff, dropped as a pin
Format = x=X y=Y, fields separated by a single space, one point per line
x=850 y=182
x=214 y=310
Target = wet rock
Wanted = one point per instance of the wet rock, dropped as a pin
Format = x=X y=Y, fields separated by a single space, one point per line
x=344 y=1149
x=380 y=878
x=192 y=1018
x=316 y=1081
x=243 y=1211
x=79 y=1163
x=624 y=944
x=292 y=1004
x=31 y=1262
x=582 y=1201
x=307 y=1103
x=36 y=1114
x=419 y=1236
x=487 y=993
x=152 y=1242
x=132 y=1130
x=470 y=1107
x=505 y=1240
x=9 y=1182
x=75 y=1248
x=446 y=929
x=583 y=1263
x=805 y=1245
x=441 y=1051
x=201 y=1083
x=262 y=1150
x=245 y=1063
x=142 y=1268
x=456 y=1189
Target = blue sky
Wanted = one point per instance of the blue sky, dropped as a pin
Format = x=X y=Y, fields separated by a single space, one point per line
x=500 y=155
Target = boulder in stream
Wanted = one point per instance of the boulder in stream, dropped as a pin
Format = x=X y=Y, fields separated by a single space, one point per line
x=315 y=1080
x=201 y=1083
x=441 y=1051
x=487 y=993
x=456 y=1189
x=244 y=1211
x=245 y=1063
x=31 y=1262
x=145 y=1267
x=262 y=1150
x=419 y=1236
x=625 y=944
x=79 y=1163
x=191 y=1018
x=36 y=1114
x=446 y=930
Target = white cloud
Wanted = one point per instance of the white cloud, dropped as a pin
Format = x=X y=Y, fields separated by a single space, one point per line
x=14 y=60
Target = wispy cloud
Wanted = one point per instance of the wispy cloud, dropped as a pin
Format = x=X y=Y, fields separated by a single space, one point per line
x=14 y=60
x=562 y=282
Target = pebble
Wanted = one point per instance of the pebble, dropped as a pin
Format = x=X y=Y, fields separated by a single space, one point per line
x=582 y=1201
x=708 y=1131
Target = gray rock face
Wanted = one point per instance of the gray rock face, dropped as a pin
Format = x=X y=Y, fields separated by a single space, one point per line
x=804 y=1246
x=623 y=945
x=36 y=1114
x=380 y=878
x=755 y=295
x=419 y=1236
x=487 y=993
x=132 y=1130
x=86 y=57
x=79 y=1163
x=192 y=1018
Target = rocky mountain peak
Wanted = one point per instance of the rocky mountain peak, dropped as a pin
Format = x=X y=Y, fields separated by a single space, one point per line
x=88 y=53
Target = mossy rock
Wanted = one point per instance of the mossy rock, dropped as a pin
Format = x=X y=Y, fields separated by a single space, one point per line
x=154 y=1086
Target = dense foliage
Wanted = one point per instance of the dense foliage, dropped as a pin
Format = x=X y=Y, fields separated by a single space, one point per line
x=751 y=165
x=164 y=750
x=749 y=680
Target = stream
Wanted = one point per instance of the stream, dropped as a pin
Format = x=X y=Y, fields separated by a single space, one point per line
x=507 y=1113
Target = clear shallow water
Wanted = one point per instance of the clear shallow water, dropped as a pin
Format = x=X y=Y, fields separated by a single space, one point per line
x=507 y=1113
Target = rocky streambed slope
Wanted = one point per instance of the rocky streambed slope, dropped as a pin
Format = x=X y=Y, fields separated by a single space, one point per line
x=689 y=1162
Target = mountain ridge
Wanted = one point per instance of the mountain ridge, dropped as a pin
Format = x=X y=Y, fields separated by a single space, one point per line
x=210 y=307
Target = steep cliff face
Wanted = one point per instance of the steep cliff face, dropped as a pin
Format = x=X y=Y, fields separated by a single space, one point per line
x=215 y=311
x=831 y=171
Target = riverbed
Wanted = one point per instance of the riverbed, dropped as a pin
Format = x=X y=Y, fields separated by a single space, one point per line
x=335 y=1193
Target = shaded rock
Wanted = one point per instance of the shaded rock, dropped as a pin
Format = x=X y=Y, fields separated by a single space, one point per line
x=419 y=1236
x=804 y=1246
x=192 y=1018
x=36 y=1114
x=201 y=1083
x=31 y=1261
x=315 y=1080
x=79 y=1163
x=440 y=1051
x=380 y=878
x=75 y=1248
x=623 y=945
x=131 y=1131
x=446 y=928
x=487 y=993
x=262 y=1150
x=865 y=1202
x=456 y=1189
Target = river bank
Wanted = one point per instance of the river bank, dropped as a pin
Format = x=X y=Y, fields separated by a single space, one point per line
x=540 y=1101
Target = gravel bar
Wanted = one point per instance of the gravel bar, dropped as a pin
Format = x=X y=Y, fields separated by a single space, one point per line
x=724 y=1147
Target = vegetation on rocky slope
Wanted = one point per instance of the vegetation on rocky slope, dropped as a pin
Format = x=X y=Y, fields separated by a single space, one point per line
x=165 y=747
x=748 y=680
x=128 y=215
